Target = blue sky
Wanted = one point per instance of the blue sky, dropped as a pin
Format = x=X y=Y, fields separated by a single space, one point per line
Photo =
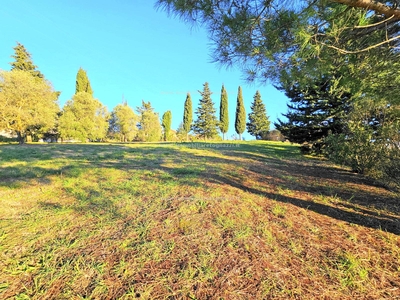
x=129 y=49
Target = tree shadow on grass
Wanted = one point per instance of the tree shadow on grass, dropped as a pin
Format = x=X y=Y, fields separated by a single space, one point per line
x=266 y=169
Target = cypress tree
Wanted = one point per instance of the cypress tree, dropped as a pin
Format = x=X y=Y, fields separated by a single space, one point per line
x=187 y=115
x=82 y=82
x=23 y=61
x=240 y=121
x=223 y=113
x=166 y=124
x=206 y=123
x=259 y=123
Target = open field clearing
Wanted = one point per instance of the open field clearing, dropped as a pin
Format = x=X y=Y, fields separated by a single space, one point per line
x=253 y=220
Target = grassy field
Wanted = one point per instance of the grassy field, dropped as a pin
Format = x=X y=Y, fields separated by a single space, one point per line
x=253 y=220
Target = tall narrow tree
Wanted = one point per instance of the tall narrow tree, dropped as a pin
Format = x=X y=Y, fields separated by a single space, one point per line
x=258 y=125
x=187 y=115
x=206 y=124
x=166 y=124
x=23 y=61
x=223 y=113
x=240 y=121
x=82 y=82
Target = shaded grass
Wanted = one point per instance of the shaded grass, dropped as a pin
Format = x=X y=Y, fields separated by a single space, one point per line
x=185 y=221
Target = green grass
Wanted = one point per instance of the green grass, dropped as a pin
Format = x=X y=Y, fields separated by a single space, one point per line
x=235 y=220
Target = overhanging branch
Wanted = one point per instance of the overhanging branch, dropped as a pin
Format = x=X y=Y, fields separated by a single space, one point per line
x=372 y=5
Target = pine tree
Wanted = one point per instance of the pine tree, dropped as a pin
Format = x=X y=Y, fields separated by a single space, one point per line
x=23 y=61
x=206 y=124
x=82 y=82
x=187 y=115
x=240 y=121
x=223 y=113
x=166 y=124
x=258 y=125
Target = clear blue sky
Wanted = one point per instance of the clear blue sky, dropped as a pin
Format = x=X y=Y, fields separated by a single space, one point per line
x=129 y=49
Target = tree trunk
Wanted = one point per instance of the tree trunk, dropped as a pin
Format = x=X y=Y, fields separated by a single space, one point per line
x=20 y=138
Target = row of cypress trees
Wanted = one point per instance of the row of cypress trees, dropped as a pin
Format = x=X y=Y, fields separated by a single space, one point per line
x=206 y=125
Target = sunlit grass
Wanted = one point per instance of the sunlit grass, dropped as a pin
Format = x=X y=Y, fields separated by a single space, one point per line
x=235 y=220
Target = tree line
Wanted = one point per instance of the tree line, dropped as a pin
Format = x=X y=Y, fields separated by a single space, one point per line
x=29 y=108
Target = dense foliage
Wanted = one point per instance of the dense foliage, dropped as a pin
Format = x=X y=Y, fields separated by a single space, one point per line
x=259 y=124
x=123 y=123
x=27 y=103
x=315 y=110
x=149 y=124
x=223 y=113
x=240 y=116
x=83 y=82
x=206 y=124
x=166 y=124
x=84 y=119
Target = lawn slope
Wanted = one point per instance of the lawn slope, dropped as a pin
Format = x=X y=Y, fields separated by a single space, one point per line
x=251 y=220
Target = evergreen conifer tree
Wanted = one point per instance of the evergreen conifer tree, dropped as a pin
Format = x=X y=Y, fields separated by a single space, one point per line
x=166 y=124
x=240 y=121
x=187 y=115
x=23 y=61
x=258 y=125
x=82 y=82
x=315 y=110
x=206 y=123
x=223 y=113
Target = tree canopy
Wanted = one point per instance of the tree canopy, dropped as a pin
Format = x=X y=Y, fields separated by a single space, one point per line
x=84 y=118
x=26 y=102
x=123 y=123
x=270 y=38
x=149 y=123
